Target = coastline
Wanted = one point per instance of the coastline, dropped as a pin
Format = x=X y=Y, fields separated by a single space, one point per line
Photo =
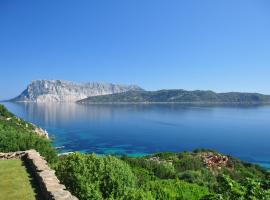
x=204 y=104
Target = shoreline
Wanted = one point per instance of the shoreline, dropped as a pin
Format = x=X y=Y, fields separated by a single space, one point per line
x=145 y=103
x=264 y=164
x=179 y=103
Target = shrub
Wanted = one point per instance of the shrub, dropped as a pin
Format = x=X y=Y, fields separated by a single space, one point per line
x=189 y=161
x=4 y=112
x=137 y=194
x=95 y=177
x=175 y=189
x=15 y=138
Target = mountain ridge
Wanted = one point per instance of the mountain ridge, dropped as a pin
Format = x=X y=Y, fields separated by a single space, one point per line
x=180 y=96
x=67 y=91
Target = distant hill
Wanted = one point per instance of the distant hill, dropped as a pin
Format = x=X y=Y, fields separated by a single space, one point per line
x=65 y=91
x=180 y=96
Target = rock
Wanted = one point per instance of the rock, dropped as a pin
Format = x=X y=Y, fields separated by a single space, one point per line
x=215 y=161
x=41 y=132
x=64 y=91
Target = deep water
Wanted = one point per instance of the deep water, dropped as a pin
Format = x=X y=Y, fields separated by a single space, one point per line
x=137 y=130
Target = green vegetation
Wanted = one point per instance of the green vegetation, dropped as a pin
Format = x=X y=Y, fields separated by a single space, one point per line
x=180 y=96
x=18 y=135
x=198 y=175
x=108 y=177
x=15 y=182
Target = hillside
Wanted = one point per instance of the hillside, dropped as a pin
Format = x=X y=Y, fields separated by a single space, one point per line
x=198 y=175
x=65 y=91
x=180 y=96
x=19 y=135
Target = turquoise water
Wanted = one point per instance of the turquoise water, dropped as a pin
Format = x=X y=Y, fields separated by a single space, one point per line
x=138 y=130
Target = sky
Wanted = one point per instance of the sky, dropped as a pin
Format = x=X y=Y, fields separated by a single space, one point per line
x=219 y=45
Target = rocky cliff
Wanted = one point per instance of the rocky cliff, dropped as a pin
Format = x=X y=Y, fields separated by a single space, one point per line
x=65 y=91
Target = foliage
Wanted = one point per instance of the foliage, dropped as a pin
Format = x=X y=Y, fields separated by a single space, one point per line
x=175 y=189
x=17 y=135
x=4 y=112
x=189 y=161
x=250 y=190
x=255 y=191
x=236 y=180
x=230 y=189
x=107 y=177
x=93 y=177
x=137 y=194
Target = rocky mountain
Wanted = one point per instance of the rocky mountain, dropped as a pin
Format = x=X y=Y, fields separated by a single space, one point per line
x=65 y=91
x=180 y=96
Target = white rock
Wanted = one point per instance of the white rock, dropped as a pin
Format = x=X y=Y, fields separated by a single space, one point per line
x=65 y=91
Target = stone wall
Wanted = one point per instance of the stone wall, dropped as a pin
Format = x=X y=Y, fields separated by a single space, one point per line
x=48 y=183
x=12 y=155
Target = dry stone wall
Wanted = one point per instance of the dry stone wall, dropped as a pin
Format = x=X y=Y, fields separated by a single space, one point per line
x=48 y=183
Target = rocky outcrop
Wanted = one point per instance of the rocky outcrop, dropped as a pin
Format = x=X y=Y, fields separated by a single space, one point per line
x=215 y=161
x=26 y=125
x=65 y=91
x=41 y=132
x=48 y=183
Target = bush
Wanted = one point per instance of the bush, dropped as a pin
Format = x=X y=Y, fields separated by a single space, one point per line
x=4 y=112
x=250 y=190
x=201 y=177
x=175 y=189
x=188 y=161
x=95 y=177
x=15 y=138
x=137 y=194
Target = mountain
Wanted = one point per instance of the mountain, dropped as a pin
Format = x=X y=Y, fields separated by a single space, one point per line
x=65 y=91
x=180 y=96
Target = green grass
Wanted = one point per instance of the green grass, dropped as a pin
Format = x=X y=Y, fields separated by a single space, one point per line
x=15 y=182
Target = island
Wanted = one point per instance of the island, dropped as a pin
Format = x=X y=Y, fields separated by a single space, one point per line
x=179 y=96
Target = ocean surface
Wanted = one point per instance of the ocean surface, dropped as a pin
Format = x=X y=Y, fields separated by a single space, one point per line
x=137 y=130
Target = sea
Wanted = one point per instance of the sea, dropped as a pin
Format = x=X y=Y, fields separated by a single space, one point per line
x=143 y=129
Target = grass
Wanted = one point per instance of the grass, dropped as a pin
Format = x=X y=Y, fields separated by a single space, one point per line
x=15 y=181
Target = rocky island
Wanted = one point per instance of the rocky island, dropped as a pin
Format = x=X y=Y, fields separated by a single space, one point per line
x=107 y=93
x=66 y=91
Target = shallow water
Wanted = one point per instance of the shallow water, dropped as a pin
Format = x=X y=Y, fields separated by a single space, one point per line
x=142 y=129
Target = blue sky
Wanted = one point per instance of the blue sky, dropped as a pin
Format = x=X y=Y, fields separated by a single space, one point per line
x=219 y=45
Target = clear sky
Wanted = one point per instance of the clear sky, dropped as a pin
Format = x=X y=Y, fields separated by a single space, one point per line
x=221 y=45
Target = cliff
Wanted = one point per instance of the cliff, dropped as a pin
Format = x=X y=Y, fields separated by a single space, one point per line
x=65 y=91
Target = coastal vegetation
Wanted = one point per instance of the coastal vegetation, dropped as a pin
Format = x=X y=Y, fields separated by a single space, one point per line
x=99 y=177
x=180 y=96
x=202 y=174
x=19 y=135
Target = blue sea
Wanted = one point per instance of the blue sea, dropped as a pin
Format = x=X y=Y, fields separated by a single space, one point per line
x=137 y=130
